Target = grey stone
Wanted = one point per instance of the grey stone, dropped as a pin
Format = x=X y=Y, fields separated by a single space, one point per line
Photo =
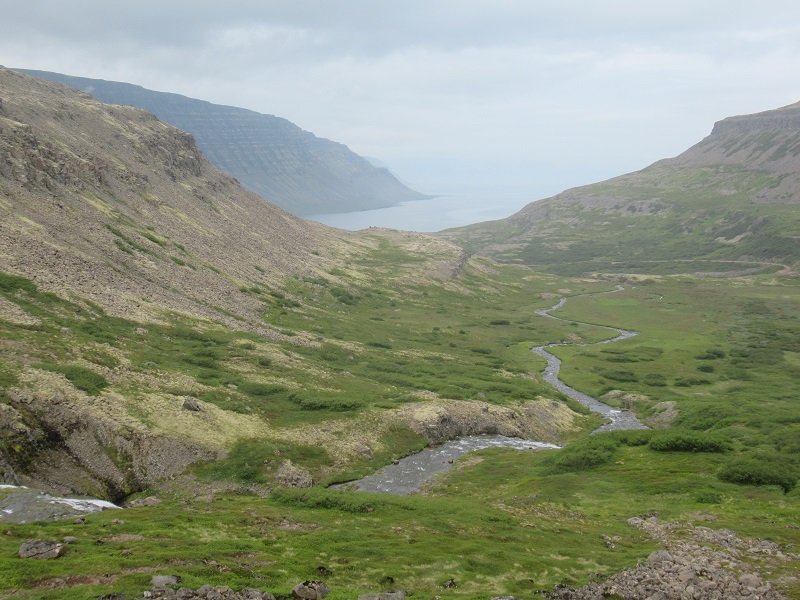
x=384 y=596
x=41 y=549
x=310 y=590
x=165 y=580
x=192 y=404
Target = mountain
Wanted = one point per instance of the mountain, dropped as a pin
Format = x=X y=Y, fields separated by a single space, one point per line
x=730 y=199
x=154 y=313
x=269 y=155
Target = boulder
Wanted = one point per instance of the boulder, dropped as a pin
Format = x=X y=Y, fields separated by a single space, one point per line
x=41 y=549
x=165 y=580
x=192 y=404
x=310 y=590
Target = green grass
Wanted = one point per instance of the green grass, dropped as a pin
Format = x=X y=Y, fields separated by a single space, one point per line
x=507 y=522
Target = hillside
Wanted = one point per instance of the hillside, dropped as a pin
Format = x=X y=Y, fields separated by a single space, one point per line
x=269 y=155
x=731 y=197
x=130 y=263
x=173 y=343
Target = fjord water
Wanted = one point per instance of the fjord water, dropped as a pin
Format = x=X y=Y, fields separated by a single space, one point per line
x=434 y=214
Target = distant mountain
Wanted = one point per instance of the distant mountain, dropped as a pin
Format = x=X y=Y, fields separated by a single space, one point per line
x=735 y=196
x=269 y=155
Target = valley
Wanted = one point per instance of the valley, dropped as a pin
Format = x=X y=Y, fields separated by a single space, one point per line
x=173 y=343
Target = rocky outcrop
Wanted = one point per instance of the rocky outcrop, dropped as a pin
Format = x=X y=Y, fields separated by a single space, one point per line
x=206 y=592
x=440 y=420
x=703 y=564
x=80 y=450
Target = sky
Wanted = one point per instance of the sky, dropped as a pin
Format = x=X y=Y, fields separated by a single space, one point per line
x=456 y=96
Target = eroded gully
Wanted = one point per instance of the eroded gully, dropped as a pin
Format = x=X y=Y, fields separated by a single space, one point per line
x=409 y=474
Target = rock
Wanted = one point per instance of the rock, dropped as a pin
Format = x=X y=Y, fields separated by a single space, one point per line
x=384 y=596
x=450 y=583
x=140 y=502
x=192 y=404
x=750 y=580
x=310 y=590
x=41 y=549
x=659 y=556
x=165 y=580
x=70 y=539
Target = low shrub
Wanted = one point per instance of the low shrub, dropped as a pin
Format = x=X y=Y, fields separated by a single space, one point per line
x=688 y=442
x=655 y=380
x=709 y=497
x=324 y=499
x=90 y=382
x=618 y=375
x=583 y=455
x=691 y=381
x=712 y=354
x=760 y=470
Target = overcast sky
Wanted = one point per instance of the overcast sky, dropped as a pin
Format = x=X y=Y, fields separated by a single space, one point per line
x=493 y=95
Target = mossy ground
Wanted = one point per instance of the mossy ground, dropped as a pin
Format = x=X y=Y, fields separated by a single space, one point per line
x=505 y=522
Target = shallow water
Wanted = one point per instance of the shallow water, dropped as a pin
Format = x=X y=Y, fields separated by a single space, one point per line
x=407 y=475
x=620 y=419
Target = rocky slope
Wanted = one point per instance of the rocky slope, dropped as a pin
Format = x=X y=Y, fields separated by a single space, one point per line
x=112 y=204
x=269 y=155
x=131 y=269
x=731 y=197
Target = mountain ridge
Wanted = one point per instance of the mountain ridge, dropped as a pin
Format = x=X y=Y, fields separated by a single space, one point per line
x=731 y=196
x=269 y=155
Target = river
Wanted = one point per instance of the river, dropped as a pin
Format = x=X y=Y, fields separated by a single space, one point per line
x=409 y=474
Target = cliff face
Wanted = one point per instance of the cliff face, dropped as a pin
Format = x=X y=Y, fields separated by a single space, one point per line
x=269 y=155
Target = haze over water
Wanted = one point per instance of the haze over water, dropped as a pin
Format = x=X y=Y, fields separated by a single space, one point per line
x=435 y=214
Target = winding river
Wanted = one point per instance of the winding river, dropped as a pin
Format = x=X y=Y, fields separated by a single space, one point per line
x=619 y=419
x=407 y=475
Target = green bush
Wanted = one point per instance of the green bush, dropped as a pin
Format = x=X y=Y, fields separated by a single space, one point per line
x=90 y=382
x=584 y=454
x=760 y=470
x=379 y=345
x=618 y=375
x=324 y=499
x=500 y=322
x=712 y=354
x=688 y=442
x=709 y=497
x=12 y=283
x=691 y=381
x=632 y=437
x=655 y=380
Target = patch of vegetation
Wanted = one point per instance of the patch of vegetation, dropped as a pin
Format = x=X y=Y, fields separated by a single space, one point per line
x=759 y=469
x=82 y=378
x=688 y=442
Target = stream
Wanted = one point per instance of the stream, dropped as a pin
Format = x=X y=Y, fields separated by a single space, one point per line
x=407 y=475
x=619 y=419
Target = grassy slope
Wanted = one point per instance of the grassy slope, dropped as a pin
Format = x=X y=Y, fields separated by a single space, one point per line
x=664 y=219
x=491 y=524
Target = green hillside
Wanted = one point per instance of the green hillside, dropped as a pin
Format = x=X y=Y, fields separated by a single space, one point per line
x=730 y=203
